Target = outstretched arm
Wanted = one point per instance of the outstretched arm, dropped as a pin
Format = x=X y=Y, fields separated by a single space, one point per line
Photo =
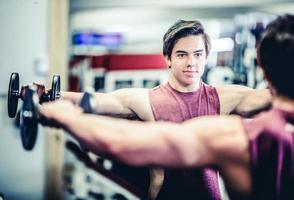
x=193 y=143
x=127 y=102
x=203 y=141
x=242 y=100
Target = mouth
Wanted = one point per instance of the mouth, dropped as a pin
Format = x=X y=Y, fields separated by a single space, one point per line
x=190 y=72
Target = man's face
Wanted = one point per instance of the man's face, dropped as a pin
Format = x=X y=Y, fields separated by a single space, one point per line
x=188 y=60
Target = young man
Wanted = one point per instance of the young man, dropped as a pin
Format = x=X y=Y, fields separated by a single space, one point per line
x=256 y=157
x=185 y=47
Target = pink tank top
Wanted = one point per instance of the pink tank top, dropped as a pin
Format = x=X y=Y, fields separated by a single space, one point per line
x=170 y=105
x=271 y=145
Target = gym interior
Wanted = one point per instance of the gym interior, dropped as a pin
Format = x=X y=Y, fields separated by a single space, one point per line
x=102 y=46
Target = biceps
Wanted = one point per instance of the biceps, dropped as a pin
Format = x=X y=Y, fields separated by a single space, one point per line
x=111 y=104
x=237 y=100
x=256 y=101
x=229 y=103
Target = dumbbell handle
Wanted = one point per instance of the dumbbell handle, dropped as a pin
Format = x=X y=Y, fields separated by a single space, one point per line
x=44 y=96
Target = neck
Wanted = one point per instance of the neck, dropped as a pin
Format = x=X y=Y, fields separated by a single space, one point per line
x=283 y=103
x=184 y=88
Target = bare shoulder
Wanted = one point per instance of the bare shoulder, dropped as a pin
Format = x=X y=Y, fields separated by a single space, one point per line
x=233 y=89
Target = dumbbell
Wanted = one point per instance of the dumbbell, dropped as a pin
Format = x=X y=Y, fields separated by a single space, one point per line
x=30 y=116
x=14 y=93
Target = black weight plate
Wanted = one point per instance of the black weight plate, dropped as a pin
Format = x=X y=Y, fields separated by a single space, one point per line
x=55 y=89
x=13 y=94
x=29 y=120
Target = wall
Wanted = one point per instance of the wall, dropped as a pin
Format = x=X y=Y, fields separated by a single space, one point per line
x=23 y=39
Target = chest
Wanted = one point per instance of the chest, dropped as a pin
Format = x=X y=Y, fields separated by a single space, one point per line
x=179 y=108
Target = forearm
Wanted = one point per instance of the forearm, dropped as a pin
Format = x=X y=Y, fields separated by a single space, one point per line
x=72 y=96
x=106 y=103
x=135 y=143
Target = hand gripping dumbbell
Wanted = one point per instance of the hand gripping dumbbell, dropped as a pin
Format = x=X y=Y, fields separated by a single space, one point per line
x=14 y=93
x=30 y=116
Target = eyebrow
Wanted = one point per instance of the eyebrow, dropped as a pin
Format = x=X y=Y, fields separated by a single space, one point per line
x=197 y=51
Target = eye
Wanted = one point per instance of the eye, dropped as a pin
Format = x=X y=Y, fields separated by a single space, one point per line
x=198 y=54
x=181 y=55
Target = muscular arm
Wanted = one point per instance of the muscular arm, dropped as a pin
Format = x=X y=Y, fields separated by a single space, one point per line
x=242 y=100
x=204 y=141
x=123 y=103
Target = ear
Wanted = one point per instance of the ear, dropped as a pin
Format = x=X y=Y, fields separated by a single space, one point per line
x=167 y=61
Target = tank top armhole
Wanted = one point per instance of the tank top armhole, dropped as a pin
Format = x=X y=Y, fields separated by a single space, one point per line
x=217 y=101
x=150 y=94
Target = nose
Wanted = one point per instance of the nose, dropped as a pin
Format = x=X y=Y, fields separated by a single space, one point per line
x=191 y=60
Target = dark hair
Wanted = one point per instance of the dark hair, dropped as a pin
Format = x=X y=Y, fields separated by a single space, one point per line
x=276 y=54
x=182 y=29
